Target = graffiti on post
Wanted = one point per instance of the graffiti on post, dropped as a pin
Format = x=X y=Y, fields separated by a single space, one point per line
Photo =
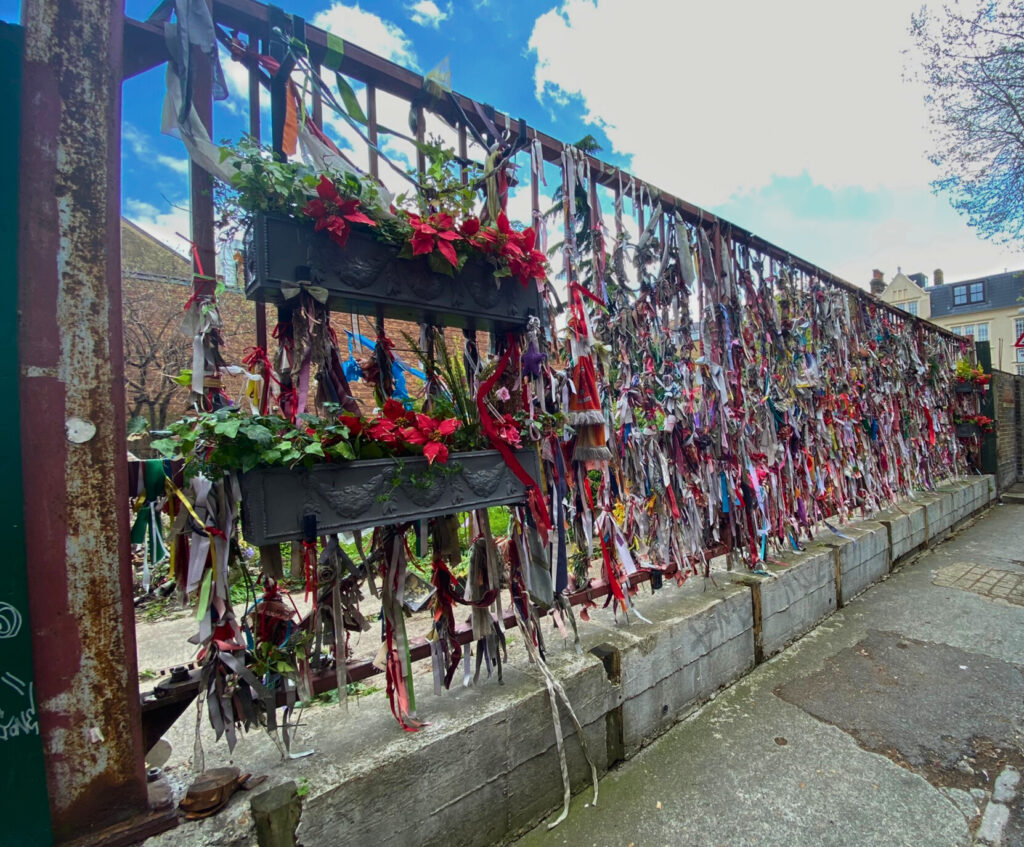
x=18 y=710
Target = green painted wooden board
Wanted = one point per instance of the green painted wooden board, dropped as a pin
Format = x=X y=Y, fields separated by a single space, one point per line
x=24 y=804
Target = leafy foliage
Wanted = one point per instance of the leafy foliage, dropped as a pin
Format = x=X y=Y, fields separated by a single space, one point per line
x=972 y=62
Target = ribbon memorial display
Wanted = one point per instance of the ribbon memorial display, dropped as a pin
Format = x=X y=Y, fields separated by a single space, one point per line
x=656 y=388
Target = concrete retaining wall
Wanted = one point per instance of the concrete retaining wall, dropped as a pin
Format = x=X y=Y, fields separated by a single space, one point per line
x=487 y=766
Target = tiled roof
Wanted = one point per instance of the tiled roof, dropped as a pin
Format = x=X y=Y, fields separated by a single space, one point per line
x=1001 y=291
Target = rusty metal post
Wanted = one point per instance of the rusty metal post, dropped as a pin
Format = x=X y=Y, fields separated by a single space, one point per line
x=73 y=414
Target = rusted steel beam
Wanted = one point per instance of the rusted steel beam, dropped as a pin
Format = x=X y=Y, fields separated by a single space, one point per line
x=73 y=414
x=144 y=48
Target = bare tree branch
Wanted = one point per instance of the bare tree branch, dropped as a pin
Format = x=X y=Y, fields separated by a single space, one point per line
x=970 y=57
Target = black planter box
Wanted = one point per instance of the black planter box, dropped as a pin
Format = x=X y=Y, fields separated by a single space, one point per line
x=375 y=492
x=966 y=430
x=367 y=274
x=966 y=387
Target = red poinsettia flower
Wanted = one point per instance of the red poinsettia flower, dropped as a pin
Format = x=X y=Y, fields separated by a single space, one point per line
x=529 y=264
x=334 y=213
x=394 y=411
x=430 y=433
x=386 y=431
x=517 y=249
x=436 y=232
x=353 y=423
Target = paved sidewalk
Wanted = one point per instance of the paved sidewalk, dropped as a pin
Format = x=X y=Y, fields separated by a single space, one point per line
x=898 y=721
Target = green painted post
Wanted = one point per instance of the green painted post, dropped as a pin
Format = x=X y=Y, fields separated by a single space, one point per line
x=989 y=451
x=24 y=803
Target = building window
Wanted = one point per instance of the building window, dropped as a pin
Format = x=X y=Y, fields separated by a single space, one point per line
x=1020 y=354
x=1020 y=370
x=908 y=306
x=1018 y=328
x=982 y=333
x=972 y=293
x=964 y=329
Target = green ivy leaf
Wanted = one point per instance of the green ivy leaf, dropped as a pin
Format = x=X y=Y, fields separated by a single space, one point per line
x=342 y=450
x=166 y=447
x=228 y=428
x=258 y=433
x=315 y=449
x=137 y=425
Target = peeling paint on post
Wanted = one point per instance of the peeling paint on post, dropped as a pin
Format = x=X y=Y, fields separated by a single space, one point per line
x=75 y=490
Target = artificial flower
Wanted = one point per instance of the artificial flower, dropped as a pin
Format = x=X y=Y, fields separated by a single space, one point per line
x=334 y=213
x=430 y=433
x=436 y=232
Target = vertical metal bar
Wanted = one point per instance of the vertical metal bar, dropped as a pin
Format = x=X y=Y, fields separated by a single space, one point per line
x=255 y=131
x=254 y=93
x=73 y=414
x=279 y=82
x=463 y=153
x=618 y=207
x=318 y=102
x=421 y=159
x=371 y=128
x=534 y=192
x=204 y=257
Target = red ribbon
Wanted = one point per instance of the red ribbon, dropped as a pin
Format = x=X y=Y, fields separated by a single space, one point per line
x=310 y=563
x=536 y=498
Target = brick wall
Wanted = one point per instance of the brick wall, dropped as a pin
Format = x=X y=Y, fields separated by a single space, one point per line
x=1007 y=394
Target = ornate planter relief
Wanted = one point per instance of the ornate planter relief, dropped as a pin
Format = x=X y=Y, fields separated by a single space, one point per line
x=362 y=494
x=366 y=274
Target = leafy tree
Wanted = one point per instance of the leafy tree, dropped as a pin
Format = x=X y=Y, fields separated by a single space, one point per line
x=972 y=61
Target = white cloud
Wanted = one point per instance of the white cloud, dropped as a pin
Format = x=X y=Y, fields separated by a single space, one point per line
x=715 y=102
x=908 y=228
x=173 y=163
x=428 y=13
x=723 y=97
x=369 y=31
x=135 y=139
x=164 y=225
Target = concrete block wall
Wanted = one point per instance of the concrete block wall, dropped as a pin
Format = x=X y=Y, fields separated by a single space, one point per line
x=486 y=767
x=798 y=594
x=861 y=558
x=673 y=665
x=906 y=528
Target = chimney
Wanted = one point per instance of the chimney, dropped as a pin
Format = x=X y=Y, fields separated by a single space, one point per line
x=877 y=282
x=937 y=277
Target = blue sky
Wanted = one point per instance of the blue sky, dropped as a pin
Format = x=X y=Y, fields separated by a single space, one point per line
x=792 y=119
